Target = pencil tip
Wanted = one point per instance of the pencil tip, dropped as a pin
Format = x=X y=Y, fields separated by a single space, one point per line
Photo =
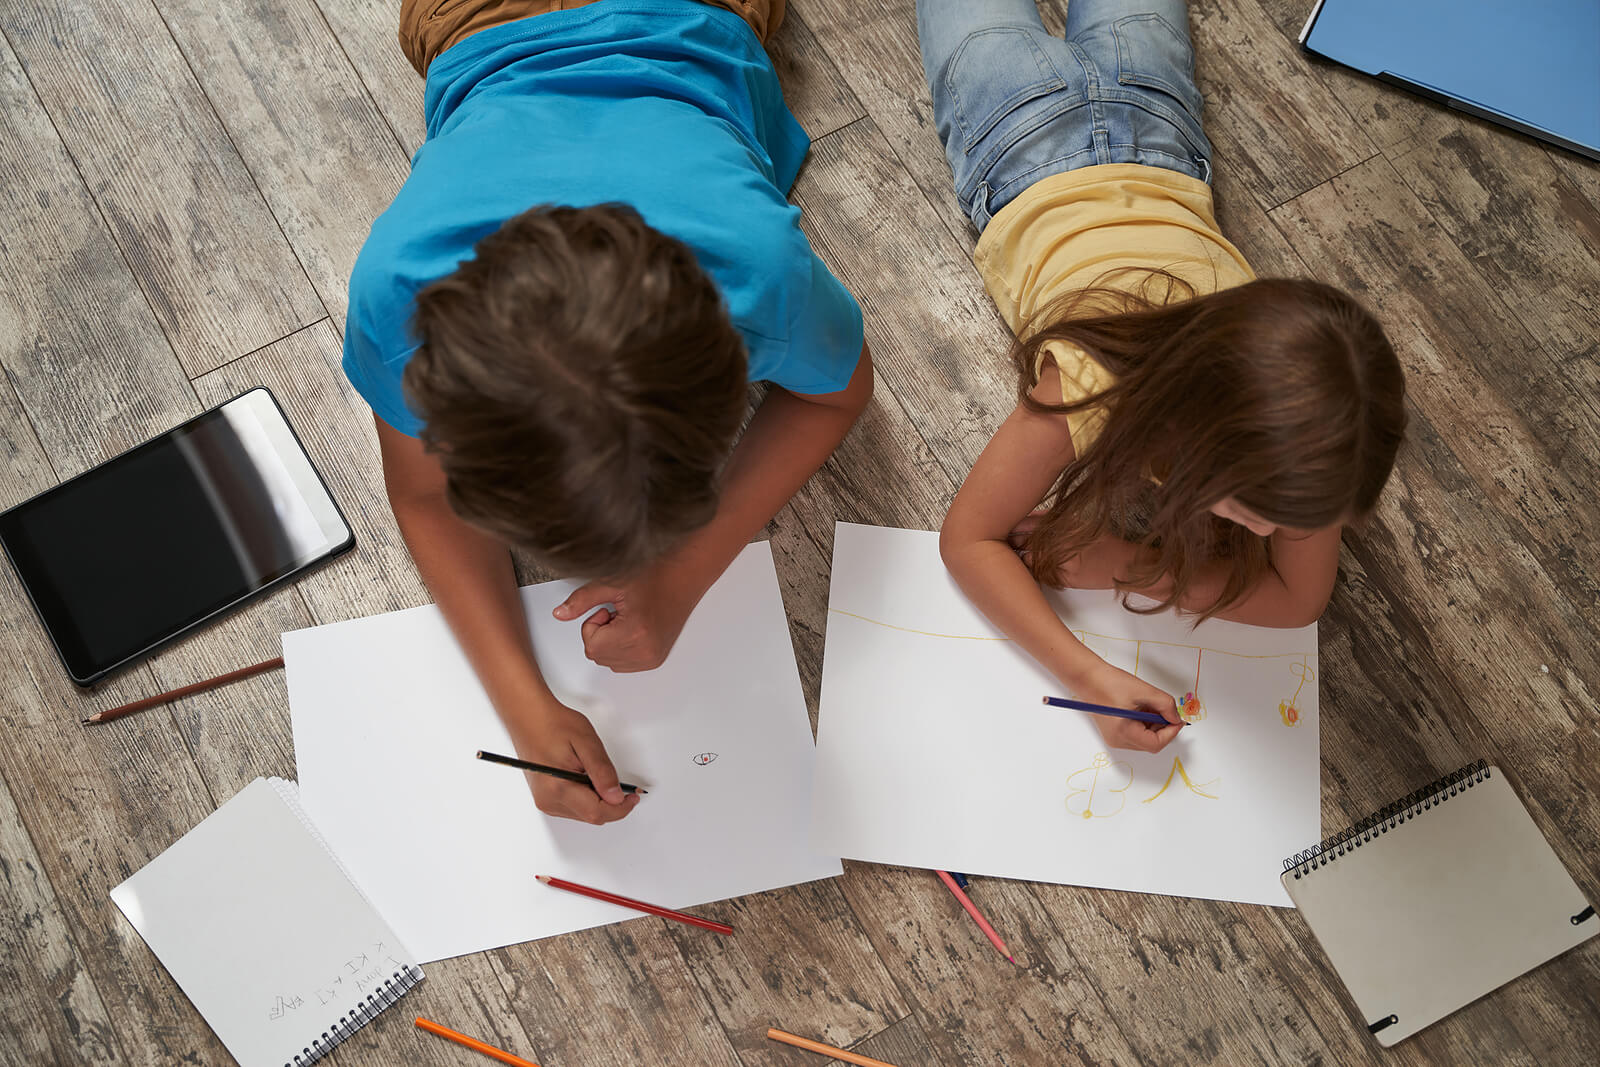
x=89 y=720
x=542 y=878
x=642 y=792
x=480 y=753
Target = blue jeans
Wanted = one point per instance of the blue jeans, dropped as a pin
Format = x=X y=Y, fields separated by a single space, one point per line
x=1014 y=105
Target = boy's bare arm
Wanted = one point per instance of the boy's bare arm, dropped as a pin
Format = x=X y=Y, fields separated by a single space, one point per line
x=788 y=438
x=472 y=580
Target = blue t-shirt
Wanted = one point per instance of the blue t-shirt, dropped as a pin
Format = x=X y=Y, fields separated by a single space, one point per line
x=670 y=106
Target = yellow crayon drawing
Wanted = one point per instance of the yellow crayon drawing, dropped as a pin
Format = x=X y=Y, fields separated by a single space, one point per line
x=1138 y=642
x=909 y=630
x=1190 y=706
x=1098 y=777
x=1178 y=771
x=1289 y=709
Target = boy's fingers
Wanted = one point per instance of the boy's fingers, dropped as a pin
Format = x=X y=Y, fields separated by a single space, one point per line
x=592 y=624
x=599 y=769
x=584 y=598
x=567 y=800
x=605 y=813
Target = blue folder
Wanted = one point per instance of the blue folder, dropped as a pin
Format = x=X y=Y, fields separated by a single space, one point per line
x=1533 y=65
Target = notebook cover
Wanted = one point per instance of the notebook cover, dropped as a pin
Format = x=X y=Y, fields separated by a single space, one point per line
x=263 y=931
x=1429 y=911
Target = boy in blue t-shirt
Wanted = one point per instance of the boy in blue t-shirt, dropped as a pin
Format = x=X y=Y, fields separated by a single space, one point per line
x=556 y=323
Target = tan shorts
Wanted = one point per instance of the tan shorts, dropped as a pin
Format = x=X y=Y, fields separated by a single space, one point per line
x=428 y=27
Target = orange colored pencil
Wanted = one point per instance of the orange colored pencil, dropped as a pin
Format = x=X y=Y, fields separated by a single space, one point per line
x=178 y=694
x=977 y=916
x=473 y=1043
x=637 y=905
x=825 y=1050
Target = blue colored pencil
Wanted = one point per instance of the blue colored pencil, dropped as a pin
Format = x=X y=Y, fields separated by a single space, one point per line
x=1106 y=709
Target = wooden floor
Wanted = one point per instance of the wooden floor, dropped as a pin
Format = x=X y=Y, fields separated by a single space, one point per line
x=185 y=184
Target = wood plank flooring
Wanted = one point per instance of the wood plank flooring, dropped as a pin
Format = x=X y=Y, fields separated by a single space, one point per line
x=184 y=187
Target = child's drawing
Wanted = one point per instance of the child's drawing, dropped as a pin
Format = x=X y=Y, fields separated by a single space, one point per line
x=704 y=758
x=1178 y=771
x=1190 y=708
x=1289 y=709
x=1098 y=779
x=918 y=685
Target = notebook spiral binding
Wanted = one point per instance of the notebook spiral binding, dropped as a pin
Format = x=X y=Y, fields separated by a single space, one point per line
x=392 y=990
x=1386 y=819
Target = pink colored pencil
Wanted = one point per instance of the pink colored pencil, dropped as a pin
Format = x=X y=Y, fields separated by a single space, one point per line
x=977 y=916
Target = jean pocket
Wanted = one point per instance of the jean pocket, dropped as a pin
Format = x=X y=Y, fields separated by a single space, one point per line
x=1152 y=54
x=994 y=72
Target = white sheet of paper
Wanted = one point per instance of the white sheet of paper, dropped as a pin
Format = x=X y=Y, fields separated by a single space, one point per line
x=934 y=749
x=388 y=717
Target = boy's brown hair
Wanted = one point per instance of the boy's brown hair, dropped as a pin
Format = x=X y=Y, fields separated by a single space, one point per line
x=582 y=385
x=1283 y=394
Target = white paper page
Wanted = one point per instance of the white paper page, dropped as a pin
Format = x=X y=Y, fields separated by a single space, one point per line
x=260 y=929
x=934 y=750
x=388 y=717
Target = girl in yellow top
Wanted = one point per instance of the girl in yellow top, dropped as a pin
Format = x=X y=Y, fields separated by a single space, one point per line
x=1197 y=436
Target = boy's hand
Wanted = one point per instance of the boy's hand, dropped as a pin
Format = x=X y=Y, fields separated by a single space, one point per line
x=640 y=627
x=1109 y=685
x=561 y=737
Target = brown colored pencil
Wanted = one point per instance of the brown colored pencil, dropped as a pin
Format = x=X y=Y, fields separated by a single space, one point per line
x=826 y=1050
x=637 y=905
x=178 y=694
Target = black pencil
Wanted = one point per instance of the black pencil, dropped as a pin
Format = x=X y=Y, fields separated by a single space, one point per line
x=554 y=772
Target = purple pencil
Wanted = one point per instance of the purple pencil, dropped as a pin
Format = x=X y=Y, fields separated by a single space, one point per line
x=1106 y=709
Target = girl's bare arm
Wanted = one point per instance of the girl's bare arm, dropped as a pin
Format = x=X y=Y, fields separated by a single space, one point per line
x=1012 y=475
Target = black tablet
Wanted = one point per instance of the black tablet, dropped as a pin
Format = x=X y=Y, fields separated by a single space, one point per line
x=149 y=545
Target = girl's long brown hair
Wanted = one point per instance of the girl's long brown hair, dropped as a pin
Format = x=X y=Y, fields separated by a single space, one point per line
x=1283 y=394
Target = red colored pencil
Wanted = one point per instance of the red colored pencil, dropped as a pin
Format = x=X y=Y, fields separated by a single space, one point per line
x=977 y=916
x=637 y=905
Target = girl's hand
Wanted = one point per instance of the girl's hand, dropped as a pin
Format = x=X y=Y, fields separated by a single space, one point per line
x=1109 y=685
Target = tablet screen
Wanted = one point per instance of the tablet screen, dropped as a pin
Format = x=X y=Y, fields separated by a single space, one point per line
x=163 y=536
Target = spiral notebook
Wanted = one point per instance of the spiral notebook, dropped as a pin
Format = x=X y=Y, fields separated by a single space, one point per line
x=1438 y=899
x=264 y=931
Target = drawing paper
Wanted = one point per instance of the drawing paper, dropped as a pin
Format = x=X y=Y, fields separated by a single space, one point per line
x=388 y=717
x=933 y=749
